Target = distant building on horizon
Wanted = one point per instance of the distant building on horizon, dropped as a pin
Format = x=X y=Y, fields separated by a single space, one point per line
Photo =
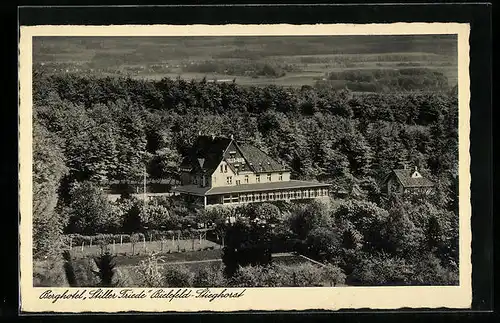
x=221 y=171
x=406 y=181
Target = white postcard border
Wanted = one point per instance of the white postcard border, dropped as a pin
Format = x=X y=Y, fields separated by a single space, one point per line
x=265 y=299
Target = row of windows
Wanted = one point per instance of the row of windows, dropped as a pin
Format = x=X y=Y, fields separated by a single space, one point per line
x=272 y=196
x=229 y=179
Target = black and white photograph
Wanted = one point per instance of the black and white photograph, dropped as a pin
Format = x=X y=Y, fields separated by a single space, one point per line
x=211 y=166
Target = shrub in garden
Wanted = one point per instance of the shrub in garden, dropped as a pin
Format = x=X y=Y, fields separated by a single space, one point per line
x=149 y=272
x=106 y=269
x=177 y=276
x=323 y=244
x=382 y=269
x=69 y=269
x=306 y=275
x=249 y=276
x=209 y=276
x=49 y=273
x=334 y=275
x=134 y=239
x=302 y=275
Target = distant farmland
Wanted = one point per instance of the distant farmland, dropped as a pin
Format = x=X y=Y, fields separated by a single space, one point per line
x=287 y=61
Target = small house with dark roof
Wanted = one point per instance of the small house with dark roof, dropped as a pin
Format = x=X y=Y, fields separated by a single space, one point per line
x=406 y=181
x=222 y=171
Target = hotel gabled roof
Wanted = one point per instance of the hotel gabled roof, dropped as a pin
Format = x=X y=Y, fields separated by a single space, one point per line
x=258 y=160
x=208 y=151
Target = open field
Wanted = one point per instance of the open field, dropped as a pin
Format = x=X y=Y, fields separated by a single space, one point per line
x=290 y=61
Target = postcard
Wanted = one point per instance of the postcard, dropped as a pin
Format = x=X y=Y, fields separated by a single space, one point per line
x=187 y=168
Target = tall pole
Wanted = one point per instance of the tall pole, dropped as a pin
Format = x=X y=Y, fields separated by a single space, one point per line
x=144 y=184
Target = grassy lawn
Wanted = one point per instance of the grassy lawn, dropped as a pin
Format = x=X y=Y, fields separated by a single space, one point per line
x=171 y=257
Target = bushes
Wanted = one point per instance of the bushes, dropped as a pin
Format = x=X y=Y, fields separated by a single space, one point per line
x=381 y=269
x=384 y=269
x=364 y=222
x=177 y=276
x=212 y=276
x=49 y=273
x=302 y=275
x=149 y=272
x=323 y=244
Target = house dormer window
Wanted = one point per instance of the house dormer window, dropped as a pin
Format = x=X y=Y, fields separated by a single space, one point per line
x=268 y=177
x=257 y=178
x=246 y=179
x=416 y=174
x=280 y=176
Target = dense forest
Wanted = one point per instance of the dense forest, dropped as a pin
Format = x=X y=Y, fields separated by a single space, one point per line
x=91 y=130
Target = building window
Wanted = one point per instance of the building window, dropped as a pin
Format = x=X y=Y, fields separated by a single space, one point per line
x=246 y=179
x=229 y=180
x=257 y=178
x=238 y=182
x=268 y=177
x=225 y=168
x=264 y=197
x=221 y=168
x=271 y=196
x=280 y=177
x=257 y=197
